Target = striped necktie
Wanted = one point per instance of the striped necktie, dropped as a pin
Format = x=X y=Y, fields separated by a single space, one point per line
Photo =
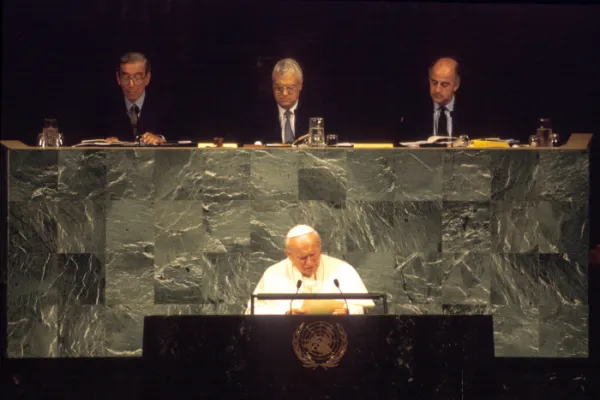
x=133 y=118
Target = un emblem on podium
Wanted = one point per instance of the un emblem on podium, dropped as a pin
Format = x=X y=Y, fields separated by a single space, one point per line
x=320 y=344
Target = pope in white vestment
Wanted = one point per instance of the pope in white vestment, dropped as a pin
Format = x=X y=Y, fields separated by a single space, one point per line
x=317 y=273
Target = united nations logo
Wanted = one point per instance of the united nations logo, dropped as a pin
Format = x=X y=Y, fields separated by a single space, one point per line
x=320 y=344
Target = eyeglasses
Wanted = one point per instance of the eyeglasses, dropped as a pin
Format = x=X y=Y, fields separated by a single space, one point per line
x=137 y=78
x=281 y=89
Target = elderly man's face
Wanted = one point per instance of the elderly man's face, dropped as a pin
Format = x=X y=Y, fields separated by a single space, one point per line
x=305 y=253
x=443 y=83
x=286 y=89
x=133 y=79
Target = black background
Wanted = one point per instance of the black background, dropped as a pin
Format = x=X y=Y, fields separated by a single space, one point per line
x=365 y=61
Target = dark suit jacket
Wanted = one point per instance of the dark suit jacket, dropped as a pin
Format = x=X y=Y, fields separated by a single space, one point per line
x=418 y=125
x=260 y=119
x=156 y=117
x=269 y=128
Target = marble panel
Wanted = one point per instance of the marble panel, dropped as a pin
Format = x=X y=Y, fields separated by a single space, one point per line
x=32 y=227
x=81 y=278
x=129 y=174
x=322 y=175
x=369 y=226
x=467 y=175
x=130 y=226
x=226 y=175
x=81 y=226
x=274 y=175
x=514 y=175
x=371 y=175
x=564 y=330
x=466 y=225
x=33 y=174
x=179 y=175
x=563 y=176
x=227 y=225
x=516 y=331
x=32 y=298
x=516 y=280
x=419 y=175
x=204 y=278
x=271 y=221
x=417 y=226
x=180 y=226
x=82 y=175
x=129 y=278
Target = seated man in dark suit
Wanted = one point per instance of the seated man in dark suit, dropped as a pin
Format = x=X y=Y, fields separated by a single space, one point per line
x=140 y=116
x=441 y=119
x=290 y=121
x=444 y=81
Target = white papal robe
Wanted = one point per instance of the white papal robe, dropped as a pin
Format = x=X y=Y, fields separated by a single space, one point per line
x=283 y=277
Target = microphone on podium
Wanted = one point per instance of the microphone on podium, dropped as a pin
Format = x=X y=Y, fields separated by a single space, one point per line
x=298 y=284
x=337 y=285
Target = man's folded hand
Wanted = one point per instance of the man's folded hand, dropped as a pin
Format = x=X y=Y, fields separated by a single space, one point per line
x=151 y=138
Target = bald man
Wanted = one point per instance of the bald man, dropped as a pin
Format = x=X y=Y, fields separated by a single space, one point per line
x=444 y=81
x=316 y=271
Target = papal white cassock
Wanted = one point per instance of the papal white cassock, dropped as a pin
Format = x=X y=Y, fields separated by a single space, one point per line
x=282 y=278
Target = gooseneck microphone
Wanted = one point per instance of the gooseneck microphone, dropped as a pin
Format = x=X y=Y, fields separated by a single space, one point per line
x=298 y=284
x=337 y=285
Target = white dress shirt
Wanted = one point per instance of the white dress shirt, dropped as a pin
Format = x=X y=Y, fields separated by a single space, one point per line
x=436 y=116
x=283 y=276
x=282 y=120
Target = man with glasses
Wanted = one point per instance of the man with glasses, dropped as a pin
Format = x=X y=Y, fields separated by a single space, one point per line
x=306 y=270
x=291 y=121
x=141 y=116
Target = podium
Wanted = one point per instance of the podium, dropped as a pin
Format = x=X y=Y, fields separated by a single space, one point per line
x=316 y=357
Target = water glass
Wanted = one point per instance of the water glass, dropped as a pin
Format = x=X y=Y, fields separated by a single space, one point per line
x=534 y=141
x=50 y=136
x=316 y=130
x=332 y=139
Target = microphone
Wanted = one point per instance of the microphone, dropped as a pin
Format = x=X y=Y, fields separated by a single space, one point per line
x=298 y=284
x=337 y=285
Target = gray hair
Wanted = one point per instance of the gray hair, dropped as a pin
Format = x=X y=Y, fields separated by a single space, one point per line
x=288 y=66
x=132 y=57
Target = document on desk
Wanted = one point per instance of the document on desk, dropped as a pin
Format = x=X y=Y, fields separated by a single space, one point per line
x=104 y=142
x=322 y=306
x=430 y=140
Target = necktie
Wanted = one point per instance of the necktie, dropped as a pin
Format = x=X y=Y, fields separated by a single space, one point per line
x=442 y=126
x=133 y=117
x=288 y=134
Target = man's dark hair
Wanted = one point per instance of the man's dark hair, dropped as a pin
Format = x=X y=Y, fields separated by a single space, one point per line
x=132 y=57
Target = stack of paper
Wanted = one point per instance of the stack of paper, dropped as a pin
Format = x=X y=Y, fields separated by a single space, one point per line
x=322 y=306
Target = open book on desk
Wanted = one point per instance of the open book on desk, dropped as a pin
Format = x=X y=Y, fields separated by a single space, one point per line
x=104 y=142
x=430 y=140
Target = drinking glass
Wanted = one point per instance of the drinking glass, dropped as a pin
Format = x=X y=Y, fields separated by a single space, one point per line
x=332 y=139
x=544 y=132
x=316 y=130
x=534 y=141
x=50 y=136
